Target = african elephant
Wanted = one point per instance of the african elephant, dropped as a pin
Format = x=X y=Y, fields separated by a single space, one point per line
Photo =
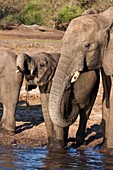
x=87 y=45
x=78 y=92
x=44 y=68
x=10 y=84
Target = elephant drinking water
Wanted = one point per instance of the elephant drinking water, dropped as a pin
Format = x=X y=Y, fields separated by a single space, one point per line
x=87 y=45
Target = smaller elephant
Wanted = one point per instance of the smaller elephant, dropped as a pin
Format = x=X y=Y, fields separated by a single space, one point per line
x=78 y=97
x=44 y=65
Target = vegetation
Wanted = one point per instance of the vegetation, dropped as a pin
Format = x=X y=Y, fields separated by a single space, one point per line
x=52 y=13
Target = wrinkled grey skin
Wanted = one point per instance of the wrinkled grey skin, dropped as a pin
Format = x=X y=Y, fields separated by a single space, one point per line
x=86 y=45
x=10 y=84
x=78 y=98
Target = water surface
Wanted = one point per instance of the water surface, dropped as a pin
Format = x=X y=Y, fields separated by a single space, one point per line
x=20 y=158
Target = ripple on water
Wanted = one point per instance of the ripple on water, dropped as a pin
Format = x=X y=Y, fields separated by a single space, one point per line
x=16 y=158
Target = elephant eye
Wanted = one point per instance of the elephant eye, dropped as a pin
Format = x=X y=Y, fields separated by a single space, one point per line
x=89 y=46
x=42 y=64
x=86 y=45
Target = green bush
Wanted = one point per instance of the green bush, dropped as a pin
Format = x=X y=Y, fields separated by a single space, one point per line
x=65 y=15
x=31 y=14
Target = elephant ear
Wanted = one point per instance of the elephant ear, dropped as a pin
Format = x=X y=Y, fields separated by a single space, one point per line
x=54 y=59
x=107 y=61
x=53 y=62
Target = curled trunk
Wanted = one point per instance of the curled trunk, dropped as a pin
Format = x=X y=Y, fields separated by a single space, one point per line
x=25 y=64
x=56 y=95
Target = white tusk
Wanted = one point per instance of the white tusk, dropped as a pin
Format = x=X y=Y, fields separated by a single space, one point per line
x=17 y=71
x=32 y=71
x=75 y=76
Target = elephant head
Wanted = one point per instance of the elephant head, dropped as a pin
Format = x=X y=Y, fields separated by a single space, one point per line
x=46 y=64
x=84 y=45
x=39 y=69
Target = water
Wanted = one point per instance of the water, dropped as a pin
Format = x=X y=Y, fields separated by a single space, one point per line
x=25 y=158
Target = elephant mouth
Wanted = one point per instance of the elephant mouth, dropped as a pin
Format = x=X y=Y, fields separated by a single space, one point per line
x=39 y=82
x=44 y=79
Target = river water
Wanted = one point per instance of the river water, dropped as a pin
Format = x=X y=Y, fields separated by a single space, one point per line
x=34 y=158
x=25 y=158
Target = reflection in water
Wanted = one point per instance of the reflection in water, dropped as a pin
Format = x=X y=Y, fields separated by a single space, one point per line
x=88 y=159
x=16 y=158
x=7 y=159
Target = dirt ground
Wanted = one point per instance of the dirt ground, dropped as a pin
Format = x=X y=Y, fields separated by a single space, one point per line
x=30 y=127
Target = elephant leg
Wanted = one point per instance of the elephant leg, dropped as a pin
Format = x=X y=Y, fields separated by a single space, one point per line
x=110 y=123
x=7 y=124
x=84 y=116
x=85 y=112
x=57 y=137
x=60 y=135
x=9 y=98
x=105 y=123
x=48 y=122
x=80 y=135
x=105 y=107
x=60 y=139
x=66 y=130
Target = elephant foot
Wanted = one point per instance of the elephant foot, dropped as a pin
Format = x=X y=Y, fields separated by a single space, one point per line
x=103 y=146
x=55 y=145
x=105 y=149
x=6 y=132
x=50 y=143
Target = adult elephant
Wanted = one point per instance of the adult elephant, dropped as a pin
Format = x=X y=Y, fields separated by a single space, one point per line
x=10 y=84
x=78 y=92
x=87 y=45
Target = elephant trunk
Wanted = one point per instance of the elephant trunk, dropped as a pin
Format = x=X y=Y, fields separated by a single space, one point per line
x=24 y=63
x=20 y=62
x=61 y=78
